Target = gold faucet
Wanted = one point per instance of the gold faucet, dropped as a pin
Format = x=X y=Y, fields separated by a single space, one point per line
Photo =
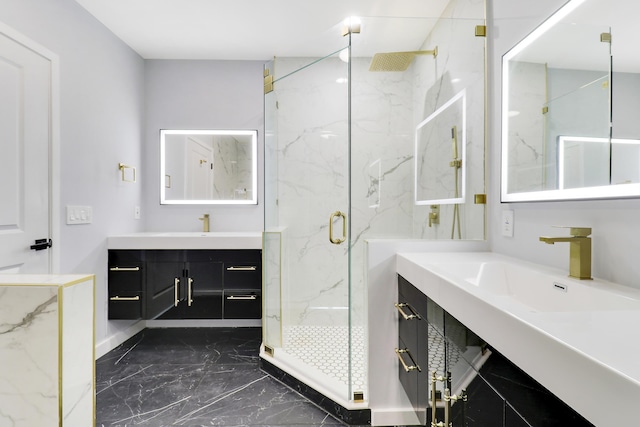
x=579 y=251
x=205 y=223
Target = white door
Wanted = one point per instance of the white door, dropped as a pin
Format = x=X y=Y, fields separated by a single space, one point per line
x=199 y=171
x=25 y=146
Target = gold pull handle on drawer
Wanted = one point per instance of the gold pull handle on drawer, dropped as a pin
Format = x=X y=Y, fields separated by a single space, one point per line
x=407 y=368
x=242 y=297
x=117 y=298
x=406 y=316
x=124 y=269
x=249 y=268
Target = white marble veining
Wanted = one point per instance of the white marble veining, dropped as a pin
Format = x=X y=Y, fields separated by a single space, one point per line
x=575 y=343
x=47 y=350
x=187 y=240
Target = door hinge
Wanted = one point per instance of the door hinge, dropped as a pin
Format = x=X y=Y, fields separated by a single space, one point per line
x=42 y=244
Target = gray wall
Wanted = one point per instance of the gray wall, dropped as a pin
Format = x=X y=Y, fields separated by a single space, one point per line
x=616 y=229
x=101 y=112
x=200 y=95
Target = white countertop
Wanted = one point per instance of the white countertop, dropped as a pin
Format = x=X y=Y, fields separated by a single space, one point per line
x=588 y=358
x=187 y=240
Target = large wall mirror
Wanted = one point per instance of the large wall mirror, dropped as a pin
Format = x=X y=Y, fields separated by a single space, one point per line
x=570 y=106
x=208 y=166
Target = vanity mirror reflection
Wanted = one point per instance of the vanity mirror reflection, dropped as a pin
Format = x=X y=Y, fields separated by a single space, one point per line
x=208 y=166
x=570 y=101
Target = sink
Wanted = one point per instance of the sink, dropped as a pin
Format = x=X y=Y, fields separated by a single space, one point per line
x=546 y=292
x=187 y=240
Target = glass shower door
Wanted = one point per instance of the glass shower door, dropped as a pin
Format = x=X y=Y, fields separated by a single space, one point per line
x=306 y=240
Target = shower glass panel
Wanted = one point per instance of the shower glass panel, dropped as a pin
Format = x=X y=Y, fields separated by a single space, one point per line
x=307 y=221
x=340 y=155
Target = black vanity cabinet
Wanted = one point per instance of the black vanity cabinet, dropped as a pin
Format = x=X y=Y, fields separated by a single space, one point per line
x=475 y=386
x=185 y=284
x=126 y=284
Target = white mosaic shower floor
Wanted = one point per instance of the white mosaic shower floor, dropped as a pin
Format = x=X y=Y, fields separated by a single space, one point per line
x=326 y=349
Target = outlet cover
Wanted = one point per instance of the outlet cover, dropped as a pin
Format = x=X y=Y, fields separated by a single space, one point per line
x=507 y=223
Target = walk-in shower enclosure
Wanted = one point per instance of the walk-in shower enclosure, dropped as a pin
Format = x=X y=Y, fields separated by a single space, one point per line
x=353 y=154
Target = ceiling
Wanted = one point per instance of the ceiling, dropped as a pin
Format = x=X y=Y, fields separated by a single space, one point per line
x=253 y=29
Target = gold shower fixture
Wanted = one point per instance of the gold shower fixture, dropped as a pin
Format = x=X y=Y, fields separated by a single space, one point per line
x=397 y=61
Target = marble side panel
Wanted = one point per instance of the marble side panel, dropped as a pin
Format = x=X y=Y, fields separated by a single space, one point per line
x=78 y=353
x=29 y=353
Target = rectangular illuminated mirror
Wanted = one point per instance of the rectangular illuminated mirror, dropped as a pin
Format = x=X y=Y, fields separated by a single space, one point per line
x=440 y=162
x=208 y=166
x=570 y=106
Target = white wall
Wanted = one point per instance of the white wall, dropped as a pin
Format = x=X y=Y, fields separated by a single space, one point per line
x=616 y=230
x=200 y=95
x=101 y=111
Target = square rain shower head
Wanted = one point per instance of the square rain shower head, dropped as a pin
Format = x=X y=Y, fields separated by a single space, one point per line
x=397 y=61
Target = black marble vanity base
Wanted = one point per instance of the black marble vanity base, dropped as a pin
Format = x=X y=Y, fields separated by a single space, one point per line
x=352 y=417
x=196 y=377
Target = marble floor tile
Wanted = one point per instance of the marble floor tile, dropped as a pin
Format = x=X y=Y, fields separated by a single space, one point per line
x=196 y=377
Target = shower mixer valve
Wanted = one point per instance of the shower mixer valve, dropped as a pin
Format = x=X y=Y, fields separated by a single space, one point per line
x=434 y=215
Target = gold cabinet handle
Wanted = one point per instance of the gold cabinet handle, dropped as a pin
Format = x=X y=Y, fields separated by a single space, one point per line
x=117 y=298
x=344 y=228
x=124 y=269
x=176 y=291
x=407 y=368
x=242 y=297
x=189 y=293
x=249 y=268
x=406 y=316
x=434 y=401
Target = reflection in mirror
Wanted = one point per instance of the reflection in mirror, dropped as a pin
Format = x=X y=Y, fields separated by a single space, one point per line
x=208 y=166
x=439 y=155
x=558 y=112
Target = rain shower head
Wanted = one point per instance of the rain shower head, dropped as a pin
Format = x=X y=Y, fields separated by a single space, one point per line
x=397 y=61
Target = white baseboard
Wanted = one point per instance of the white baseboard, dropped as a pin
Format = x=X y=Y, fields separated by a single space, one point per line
x=114 y=340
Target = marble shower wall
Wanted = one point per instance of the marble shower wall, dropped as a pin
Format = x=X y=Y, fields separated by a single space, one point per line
x=458 y=70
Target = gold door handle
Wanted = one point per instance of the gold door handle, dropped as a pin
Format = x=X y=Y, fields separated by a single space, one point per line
x=344 y=228
x=249 y=268
x=124 y=269
x=189 y=293
x=407 y=368
x=406 y=316
x=176 y=291
x=434 y=400
x=117 y=298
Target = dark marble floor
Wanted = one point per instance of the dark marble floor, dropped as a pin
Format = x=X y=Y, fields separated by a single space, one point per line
x=196 y=377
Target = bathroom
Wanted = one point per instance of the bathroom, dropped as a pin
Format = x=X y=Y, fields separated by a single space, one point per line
x=111 y=99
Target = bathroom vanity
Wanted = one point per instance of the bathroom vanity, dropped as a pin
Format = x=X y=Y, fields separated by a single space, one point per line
x=47 y=350
x=567 y=335
x=185 y=276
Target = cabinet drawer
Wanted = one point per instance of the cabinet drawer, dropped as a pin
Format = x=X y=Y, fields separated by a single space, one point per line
x=125 y=278
x=243 y=275
x=242 y=305
x=125 y=305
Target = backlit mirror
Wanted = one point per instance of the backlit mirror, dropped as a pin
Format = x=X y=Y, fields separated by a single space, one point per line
x=571 y=98
x=208 y=166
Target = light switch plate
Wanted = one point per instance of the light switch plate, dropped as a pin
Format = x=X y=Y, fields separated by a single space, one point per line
x=79 y=215
x=507 y=223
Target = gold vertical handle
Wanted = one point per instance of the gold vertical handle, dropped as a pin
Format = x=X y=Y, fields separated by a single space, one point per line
x=189 y=293
x=176 y=291
x=433 y=399
x=344 y=228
